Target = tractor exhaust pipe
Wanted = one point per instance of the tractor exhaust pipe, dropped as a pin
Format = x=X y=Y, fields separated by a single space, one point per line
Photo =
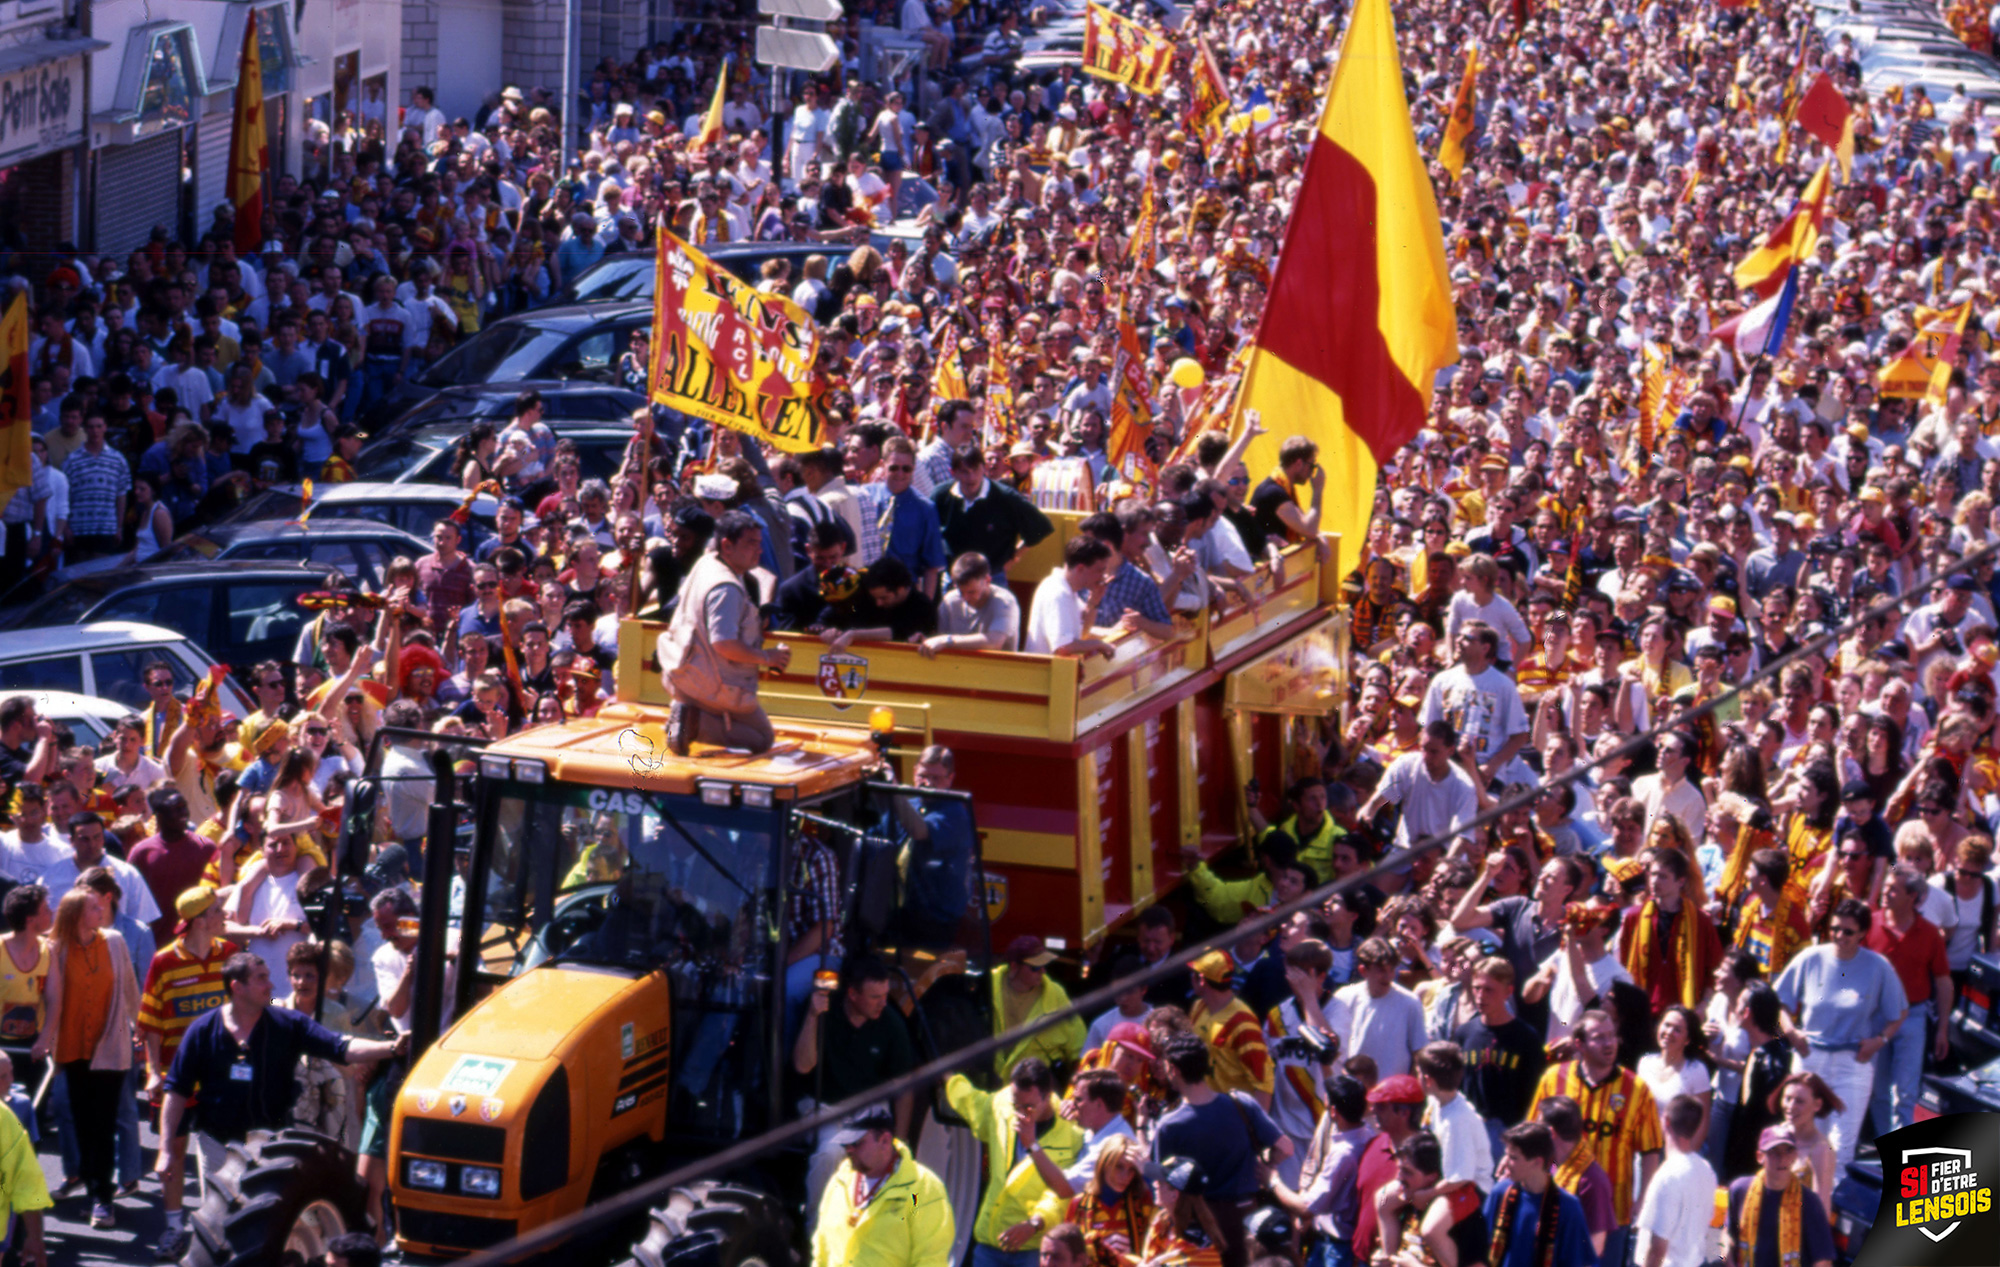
x=434 y=910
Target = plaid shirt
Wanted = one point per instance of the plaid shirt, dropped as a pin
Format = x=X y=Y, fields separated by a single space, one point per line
x=96 y=482
x=815 y=895
x=873 y=500
x=1131 y=590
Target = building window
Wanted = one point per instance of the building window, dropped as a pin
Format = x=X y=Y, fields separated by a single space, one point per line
x=167 y=97
x=274 y=47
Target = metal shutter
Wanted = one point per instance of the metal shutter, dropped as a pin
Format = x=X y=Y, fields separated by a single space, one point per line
x=211 y=167
x=138 y=186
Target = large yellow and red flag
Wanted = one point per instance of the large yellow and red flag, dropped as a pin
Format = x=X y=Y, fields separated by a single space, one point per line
x=1924 y=368
x=1458 y=129
x=1764 y=269
x=1131 y=400
x=711 y=123
x=1208 y=102
x=17 y=465
x=249 y=149
x=1127 y=52
x=1359 y=319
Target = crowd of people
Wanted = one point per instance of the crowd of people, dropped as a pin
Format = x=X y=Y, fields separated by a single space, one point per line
x=1723 y=956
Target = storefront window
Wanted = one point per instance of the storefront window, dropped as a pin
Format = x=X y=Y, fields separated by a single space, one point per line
x=274 y=48
x=167 y=98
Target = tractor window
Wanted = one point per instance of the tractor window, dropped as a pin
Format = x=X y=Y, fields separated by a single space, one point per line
x=649 y=882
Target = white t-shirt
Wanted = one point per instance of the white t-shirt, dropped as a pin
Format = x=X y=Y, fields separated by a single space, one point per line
x=59 y=877
x=1679 y=1204
x=1497 y=612
x=277 y=898
x=1484 y=707
x=1466 y=1151
x=144 y=774
x=1389 y=1028
x=1566 y=1000
x=390 y=964
x=1055 y=618
x=1963 y=938
x=1429 y=808
x=1666 y=1082
x=28 y=863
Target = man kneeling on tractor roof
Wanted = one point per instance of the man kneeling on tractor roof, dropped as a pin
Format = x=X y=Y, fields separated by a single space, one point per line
x=712 y=650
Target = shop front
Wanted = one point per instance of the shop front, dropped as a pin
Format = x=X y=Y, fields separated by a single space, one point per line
x=43 y=107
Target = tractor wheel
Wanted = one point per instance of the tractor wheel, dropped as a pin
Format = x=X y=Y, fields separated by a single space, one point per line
x=716 y=1224
x=278 y=1193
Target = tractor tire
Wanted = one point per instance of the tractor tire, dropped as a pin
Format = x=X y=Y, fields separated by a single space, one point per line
x=278 y=1192
x=718 y=1224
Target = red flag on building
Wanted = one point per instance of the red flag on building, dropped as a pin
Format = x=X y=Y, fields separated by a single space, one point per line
x=17 y=467
x=249 y=151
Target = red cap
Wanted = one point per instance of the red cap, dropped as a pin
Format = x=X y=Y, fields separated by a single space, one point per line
x=1399 y=1088
x=1132 y=1037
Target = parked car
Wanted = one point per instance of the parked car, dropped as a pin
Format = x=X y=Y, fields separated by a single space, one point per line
x=576 y=341
x=238 y=612
x=89 y=718
x=359 y=549
x=424 y=455
x=562 y=401
x=629 y=276
x=106 y=660
x=414 y=508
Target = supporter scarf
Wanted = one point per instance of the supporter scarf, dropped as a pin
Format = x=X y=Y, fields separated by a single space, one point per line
x=1645 y=949
x=1545 y=1226
x=1790 y=1223
x=1569 y=1173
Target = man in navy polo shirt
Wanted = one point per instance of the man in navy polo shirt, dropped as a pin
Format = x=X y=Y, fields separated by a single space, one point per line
x=243 y=1058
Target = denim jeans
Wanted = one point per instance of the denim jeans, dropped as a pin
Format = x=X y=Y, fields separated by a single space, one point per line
x=989 y=1256
x=1899 y=1072
x=1716 y=1148
x=1326 y=1252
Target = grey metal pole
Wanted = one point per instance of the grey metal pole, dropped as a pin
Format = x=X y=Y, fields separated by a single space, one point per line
x=569 y=95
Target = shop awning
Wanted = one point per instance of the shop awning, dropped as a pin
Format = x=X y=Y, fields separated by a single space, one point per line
x=40 y=53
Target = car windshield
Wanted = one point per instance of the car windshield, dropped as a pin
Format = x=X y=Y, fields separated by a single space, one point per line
x=272 y=503
x=384 y=461
x=498 y=354
x=66 y=606
x=617 y=278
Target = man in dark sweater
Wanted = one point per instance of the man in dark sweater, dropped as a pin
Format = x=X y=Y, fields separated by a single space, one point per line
x=978 y=514
x=1504 y=1056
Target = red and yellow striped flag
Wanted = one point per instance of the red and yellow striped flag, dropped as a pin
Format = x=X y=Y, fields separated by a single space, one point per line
x=1458 y=129
x=1000 y=386
x=1131 y=399
x=948 y=379
x=1764 y=269
x=249 y=148
x=1359 y=319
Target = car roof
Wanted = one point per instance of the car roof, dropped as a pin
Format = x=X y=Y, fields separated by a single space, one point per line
x=312 y=529
x=362 y=491
x=33 y=643
x=447 y=430
x=546 y=386
x=575 y=317
x=59 y=704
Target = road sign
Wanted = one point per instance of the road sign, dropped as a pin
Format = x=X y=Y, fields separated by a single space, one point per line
x=797 y=50
x=807 y=10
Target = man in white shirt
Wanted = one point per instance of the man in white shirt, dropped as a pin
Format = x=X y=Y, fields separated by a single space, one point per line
x=1058 y=621
x=1436 y=795
x=806 y=138
x=423 y=113
x=1461 y=1132
x=127 y=764
x=1669 y=791
x=86 y=842
x=1674 y=1214
x=1375 y=1016
x=1483 y=706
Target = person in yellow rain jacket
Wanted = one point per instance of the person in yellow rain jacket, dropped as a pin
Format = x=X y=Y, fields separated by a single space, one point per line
x=1024 y=993
x=1014 y=1124
x=1284 y=877
x=882 y=1209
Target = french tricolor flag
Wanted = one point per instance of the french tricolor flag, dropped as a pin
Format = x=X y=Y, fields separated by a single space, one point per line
x=1762 y=331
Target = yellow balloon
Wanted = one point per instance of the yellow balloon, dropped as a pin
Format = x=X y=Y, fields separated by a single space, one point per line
x=1187 y=374
x=1262 y=114
x=1239 y=123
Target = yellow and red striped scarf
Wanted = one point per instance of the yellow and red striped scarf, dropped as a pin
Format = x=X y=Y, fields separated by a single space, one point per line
x=1790 y=1220
x=1645 y=950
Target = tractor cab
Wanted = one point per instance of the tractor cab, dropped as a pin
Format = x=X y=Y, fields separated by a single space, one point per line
x=624 y=927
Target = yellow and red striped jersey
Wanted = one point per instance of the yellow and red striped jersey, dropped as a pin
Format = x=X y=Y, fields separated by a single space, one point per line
x=1236 y=1046
x=1619 y=1117
x=179 y=988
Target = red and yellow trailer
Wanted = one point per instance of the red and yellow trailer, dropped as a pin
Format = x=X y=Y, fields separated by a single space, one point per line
x=1090 y=777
